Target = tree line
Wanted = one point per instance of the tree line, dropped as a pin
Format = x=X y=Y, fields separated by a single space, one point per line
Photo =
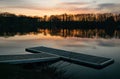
x=105 y=21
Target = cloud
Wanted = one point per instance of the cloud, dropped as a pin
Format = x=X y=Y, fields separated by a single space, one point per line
x=66 y=7
x=74 y=3
x=110 y=7
x=12 y=2
x=59 y=6
x=108 y=44
x=72 y=6
x=27 y=7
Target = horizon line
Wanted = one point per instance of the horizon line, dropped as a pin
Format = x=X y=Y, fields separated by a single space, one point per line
x=59 y=14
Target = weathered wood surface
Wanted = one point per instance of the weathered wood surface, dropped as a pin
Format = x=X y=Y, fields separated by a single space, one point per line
x=28 y=58
x=83 y=59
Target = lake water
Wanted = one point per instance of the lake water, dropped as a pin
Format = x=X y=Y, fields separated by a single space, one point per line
x=93 y=42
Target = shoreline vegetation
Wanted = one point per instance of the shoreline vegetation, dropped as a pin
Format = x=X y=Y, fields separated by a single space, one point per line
x=11 y=24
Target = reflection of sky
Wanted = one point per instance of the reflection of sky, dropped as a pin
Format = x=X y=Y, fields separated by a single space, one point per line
x=94 y=46
x=18 y=43
x=48 y=7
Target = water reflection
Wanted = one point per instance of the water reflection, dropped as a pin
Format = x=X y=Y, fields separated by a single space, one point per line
x=90 y=41
x=30 y=71
x=89 y=33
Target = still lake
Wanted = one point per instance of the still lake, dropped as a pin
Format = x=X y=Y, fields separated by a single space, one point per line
x=92 y=42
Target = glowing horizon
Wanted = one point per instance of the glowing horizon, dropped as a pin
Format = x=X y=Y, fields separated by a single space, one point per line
x=56 y=7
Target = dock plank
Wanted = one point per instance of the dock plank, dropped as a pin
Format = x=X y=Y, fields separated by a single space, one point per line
x=83 y=59
x=28 y=58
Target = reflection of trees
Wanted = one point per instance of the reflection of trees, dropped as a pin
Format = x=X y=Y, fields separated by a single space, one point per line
x=67 y=32
x=31 y=71
x=90 y=33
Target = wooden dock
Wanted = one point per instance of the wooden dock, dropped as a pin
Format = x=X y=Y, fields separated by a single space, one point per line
x=28 y=58
x=79 y=58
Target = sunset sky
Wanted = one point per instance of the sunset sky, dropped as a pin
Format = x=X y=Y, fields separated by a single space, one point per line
x=49 y=7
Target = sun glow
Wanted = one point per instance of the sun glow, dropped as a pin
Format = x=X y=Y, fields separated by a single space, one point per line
x=53 y=7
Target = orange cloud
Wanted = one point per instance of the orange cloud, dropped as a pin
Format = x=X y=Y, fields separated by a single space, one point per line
x=51 y=7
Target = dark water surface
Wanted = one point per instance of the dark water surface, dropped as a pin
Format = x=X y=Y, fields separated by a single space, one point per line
x=93 y=42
